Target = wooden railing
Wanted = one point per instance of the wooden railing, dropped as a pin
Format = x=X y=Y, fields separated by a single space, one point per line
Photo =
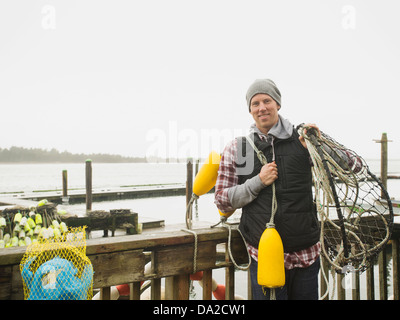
x=123 y=259
x=171 y=256
x=372 y=284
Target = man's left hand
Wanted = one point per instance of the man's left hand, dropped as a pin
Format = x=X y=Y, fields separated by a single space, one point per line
x=312 y=125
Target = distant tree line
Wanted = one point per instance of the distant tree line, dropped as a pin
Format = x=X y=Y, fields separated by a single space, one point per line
x=18 y=154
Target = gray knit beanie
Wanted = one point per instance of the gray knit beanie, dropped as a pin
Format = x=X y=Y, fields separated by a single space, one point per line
x=265 y=86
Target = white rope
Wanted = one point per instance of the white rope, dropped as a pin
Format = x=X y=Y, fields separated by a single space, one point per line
x=195 y=249
x=229 y=227
x=274 y=206
x=189 y=211
x=224 y=224
x=264 y=161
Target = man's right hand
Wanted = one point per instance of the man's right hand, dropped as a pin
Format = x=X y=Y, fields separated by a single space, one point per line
x=269 y=173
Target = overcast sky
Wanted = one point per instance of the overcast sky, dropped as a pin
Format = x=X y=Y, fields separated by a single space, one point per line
x=167 y=77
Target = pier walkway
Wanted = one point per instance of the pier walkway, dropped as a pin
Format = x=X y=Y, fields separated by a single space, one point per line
x=98 y=194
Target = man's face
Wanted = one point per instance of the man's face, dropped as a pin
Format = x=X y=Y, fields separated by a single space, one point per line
x=264 y=110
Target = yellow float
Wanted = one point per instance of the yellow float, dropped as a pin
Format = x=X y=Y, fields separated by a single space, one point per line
x=204 y=181
x=271 y=267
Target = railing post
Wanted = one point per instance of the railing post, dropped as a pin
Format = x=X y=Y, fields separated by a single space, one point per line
x=155 y=283
x=207 y=284
x=177 y=287
x=156 y=289
x=105 y=293
x=324 y=283
x=341 y=289
x=370 y=283
x=382 y=275
x=395 y=259
x=229 y=277
x=356 y=282
x=249 y=287
x=134 y=290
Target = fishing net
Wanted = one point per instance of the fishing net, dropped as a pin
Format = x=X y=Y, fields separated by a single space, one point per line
x=355 y=210
x=58 y=268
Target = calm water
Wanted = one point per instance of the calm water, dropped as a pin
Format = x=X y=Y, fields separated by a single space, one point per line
x=29 y=177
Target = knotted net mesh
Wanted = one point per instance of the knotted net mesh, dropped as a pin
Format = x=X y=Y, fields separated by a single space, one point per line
x=355 y=210
x=58 y=268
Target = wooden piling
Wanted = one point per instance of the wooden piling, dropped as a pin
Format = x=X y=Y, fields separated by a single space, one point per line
x=88 y=185
x=384 y=159
x=189 y=180
x=196 y=205
x=65 y=183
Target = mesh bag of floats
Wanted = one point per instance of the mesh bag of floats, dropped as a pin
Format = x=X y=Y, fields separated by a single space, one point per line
x=57 y=268
x=355 y=210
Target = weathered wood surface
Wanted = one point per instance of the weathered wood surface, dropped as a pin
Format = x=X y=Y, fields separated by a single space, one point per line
x=105 y=220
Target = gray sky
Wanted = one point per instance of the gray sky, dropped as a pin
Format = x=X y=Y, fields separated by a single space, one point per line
x=169 y=77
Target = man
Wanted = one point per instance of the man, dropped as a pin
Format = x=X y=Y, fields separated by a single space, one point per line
x=243 y=182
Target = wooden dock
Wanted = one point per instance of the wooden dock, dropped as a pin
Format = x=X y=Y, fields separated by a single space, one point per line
x=79 y=196
x=103 y=194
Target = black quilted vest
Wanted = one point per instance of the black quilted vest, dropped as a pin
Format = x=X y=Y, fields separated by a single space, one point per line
x=296 y=218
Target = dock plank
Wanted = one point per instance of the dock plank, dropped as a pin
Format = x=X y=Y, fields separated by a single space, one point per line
x=104 y=194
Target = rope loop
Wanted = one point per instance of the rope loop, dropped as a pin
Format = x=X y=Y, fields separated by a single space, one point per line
x=195 y=248
x=189 y=210
x=229 y=227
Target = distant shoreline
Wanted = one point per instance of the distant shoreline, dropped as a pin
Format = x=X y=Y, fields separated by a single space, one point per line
x=37 y=155
x=21 y=155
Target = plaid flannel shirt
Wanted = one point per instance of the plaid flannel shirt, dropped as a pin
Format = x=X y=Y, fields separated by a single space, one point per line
x=227 y=178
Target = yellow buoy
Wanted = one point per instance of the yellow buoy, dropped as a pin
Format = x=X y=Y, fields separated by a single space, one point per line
x=207 y=175
x=271 y=266
x=226 y=214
